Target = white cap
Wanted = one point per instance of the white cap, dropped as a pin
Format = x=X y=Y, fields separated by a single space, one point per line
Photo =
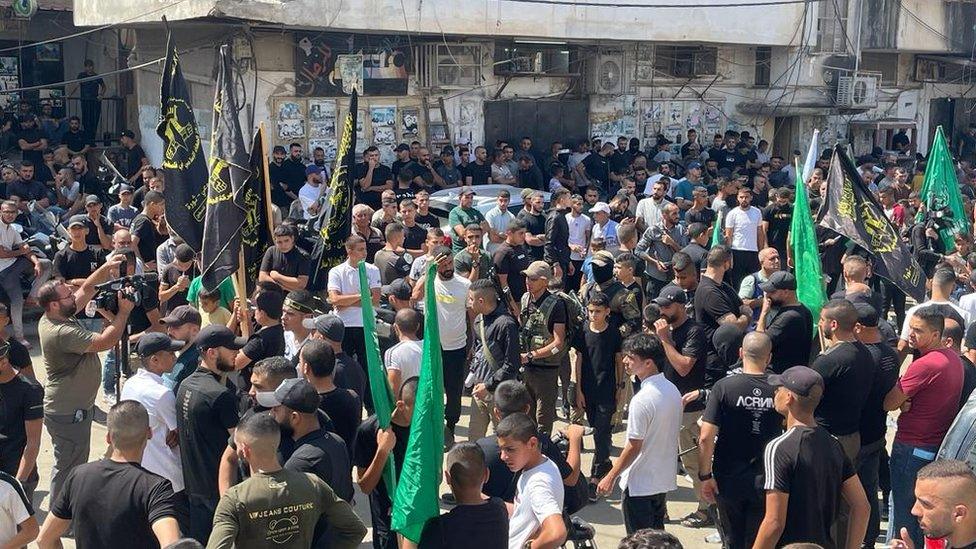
x=601 y=207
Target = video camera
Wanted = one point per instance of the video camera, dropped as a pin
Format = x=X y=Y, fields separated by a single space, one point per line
x=938 y=218
x=107 y=293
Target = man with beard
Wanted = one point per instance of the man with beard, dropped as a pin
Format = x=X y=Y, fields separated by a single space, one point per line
x=556 y=248
x=946 y=509
x=786 y=321
x=206 y=415
x=293 y=174
x=295 y=406
x=278 y=174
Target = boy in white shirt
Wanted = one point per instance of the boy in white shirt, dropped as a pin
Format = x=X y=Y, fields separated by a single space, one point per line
x=15 y=511
x=536 y=519
x=402 y=360
x=646 y=465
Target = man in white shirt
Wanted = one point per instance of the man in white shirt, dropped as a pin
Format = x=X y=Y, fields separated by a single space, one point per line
x=654 y=175
x=162 y=455
x=18 y=526
x=579 y=241
x=311 y=191
x=498 y=219
x=943 y=282
x=299 y=305
x=402 y=360
x=604 y=227
x=343 y=287
x=536 y=519
x=646 y=465
x=452 y=320
x=649 y=210
x=745 y=236
x=16 y=258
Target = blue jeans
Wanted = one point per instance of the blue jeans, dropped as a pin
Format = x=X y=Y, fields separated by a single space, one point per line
x=906 y=460
x=108 y=373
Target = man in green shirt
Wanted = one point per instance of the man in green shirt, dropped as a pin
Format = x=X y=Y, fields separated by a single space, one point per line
x=463 y=215
x=278 y=507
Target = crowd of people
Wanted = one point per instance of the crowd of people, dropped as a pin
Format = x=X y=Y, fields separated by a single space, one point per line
x=599 y=298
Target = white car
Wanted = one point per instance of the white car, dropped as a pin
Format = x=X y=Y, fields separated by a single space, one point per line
x=485 y=198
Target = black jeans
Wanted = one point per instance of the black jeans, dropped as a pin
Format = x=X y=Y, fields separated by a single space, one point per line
x=643 y=511
x=869 y=463
x=455 y=369
x=893 y=297
x=201 y=512
x=354 y=345
x=91 y=114
x=573 y=281
x=654 y=287
x=740 y=512
x=599 y=415
x=744 y=263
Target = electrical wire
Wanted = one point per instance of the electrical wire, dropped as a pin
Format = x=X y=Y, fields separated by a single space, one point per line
x=85 y=79
x=92 y=30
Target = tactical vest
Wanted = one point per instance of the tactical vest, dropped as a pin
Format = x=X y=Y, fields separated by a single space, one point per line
x=535 y=333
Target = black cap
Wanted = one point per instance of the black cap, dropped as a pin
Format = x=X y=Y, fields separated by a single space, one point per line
x=330 y=326
x=153 y=342
x=798 y=379
x=184 y=314
x=295 y=393
x=92 y=199
x=402 y=147
x=669 y=295
x=303 y=302
x=399 y=289
x=867 y=315
x=725 y=172
x=215 y=335
x=79 y=219
x=128 y=133
x=780 y=280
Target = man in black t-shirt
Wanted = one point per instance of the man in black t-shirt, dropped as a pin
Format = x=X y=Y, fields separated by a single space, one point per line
x=718 y=303
x=786 y=321
x=425 y=219
x=31 y=140
x=596 y=169
x=293 y=174
x=284 y=264
x=135 y=158
x=509 y=260
x=373 y=447
x=600 y=377
x=535 y=224
x=776 y=220
x=76 y=140
x=206 y=413
x=20 y=423
x=372 y=178
x=100 y=229
x=479 y=171
x=277 y=175
x=174 y=279
x=740 y=408
x=145 y=229
x=476 y=522
x=114 y=502
x=806 y=474
x=269 y=338
x=317 y=363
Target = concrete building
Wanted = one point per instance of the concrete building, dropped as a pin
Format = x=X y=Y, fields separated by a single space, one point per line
x=459 y=71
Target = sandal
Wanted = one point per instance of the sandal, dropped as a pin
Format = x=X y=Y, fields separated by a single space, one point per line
x=698 y=519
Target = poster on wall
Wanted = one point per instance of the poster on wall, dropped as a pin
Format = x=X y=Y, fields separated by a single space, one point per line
x=387 y=156
x=382 y=116
x=621 y=120
x=410 y=123
x=51 y=96
x=328 y=145
x=332 y=64
x=290 y=121
x=9 y=80
x=322 y=118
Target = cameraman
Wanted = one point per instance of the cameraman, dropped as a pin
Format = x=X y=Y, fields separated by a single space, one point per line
x=145 y=317
x=70 y=355
x=927 y=246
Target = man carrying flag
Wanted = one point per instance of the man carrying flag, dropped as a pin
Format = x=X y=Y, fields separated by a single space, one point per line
x=940 y=194
x=229 y=174
x=804 y=252
x=183 y=162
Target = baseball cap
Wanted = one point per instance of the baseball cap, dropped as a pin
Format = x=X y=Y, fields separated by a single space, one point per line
x=467 y=190
x=152 y=342
x=184 y=314
x=402 y=147
x=670 y=295
x=295 y=393
x=725 y=172
x=798 y=379
x=780 y=280
x=92 y=199
x=601 y=207
x=330 y=326
x=603 y=258
x=215 y=335
x=312 y=168
x=303 y=302
x=399 y=289
x=867 y=315
x=538 y=269
x=693 y=165
x=78 y=220
x=124 y=189
x=128 y=133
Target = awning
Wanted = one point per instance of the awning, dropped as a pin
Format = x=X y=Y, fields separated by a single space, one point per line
x=955 y=60
x=883 y=124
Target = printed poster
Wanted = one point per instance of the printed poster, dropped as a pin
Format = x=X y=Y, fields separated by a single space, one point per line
x=328 y=145
x=289 y=121
x=382 y=116
x=321 y=118
x=9 y=80
x=411 y=123
x=350 y=70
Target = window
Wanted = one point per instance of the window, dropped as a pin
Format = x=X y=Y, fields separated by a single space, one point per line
x=764 y=56
x=884 y=63
x=685 y=61
x=832 y=27
x=448 y=65
x=525 y=58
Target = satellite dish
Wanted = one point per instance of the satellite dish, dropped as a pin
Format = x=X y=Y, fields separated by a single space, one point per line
x=25 y=8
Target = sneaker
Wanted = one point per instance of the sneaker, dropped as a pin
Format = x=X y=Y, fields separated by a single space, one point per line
x=448 y=499
x=109 y=400
x=698 y=519
x=714 y=537
x=591 y=493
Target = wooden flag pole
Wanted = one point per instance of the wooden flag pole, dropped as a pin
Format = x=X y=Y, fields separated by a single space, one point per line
x=240 y=287
x=268 y=206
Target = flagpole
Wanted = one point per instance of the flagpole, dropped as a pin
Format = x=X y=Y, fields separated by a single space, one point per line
x=268 y=207
x=240 y=288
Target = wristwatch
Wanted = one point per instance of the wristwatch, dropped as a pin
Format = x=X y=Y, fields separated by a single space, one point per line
x=706 y=476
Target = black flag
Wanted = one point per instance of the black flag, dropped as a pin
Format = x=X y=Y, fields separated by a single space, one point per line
x=229 y=173
x=256 y=232
x=851 y=210
x=183 y=162
x=335 y=220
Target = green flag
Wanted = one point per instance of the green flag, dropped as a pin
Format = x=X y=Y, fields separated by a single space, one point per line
x=379 y=388
x=940 y=189
x=806 y=255
x=420 y=476
x=717 y=237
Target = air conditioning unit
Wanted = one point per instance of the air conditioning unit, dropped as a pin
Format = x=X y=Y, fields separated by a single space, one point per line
x=448 y=66
x=608 y=75
x=857 y=92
